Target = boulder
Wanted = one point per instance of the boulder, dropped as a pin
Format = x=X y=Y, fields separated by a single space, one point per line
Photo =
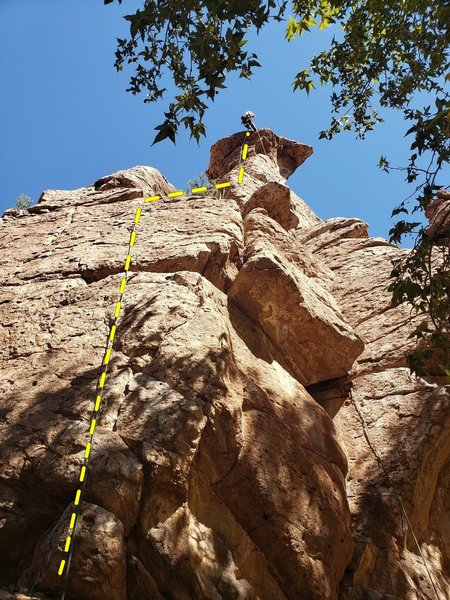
x=297 y=313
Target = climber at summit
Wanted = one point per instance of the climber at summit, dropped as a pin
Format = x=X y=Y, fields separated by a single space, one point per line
x=247 y=120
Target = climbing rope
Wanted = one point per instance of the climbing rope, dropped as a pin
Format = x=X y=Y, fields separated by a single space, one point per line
x=262 y=143
x=95 y=415
x=69 y=545
x=396 y=494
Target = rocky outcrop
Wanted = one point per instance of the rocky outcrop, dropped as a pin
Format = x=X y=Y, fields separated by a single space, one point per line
x=230 y=459
x=80 y=234
x=395 y=429
x=270 y=160
x=438 y=213
x=278 y=287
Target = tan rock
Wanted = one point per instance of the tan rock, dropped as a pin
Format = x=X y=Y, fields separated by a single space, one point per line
x=141 y=177
x=233 y=445
x=282 y=152
x=332 y=393
x=99 y=560
x=396 y=418
x=270 y=158
x=7 y=595
x=282 y=205
x=438 y=213
x=259 y=228
x=439 y=534
x=325 y=233
x=215 y=473
x=91 y=239
x=292 y=308
x=180 y=362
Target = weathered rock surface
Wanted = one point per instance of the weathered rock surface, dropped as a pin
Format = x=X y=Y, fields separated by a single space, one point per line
x=282 y=205
x=277 y=287
x=99 y=562
x=91 y=242
x=438 y=213
x=395 y=418
x=271 y=159
x=216 y=471
x=181 y=388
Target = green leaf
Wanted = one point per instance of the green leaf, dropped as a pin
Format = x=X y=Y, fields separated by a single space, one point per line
x=383 y=164
x=399 y=210
x=166 y=130
x=291 y=29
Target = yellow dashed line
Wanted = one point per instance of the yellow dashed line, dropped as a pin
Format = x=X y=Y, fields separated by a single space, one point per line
x=88 y=450
x=102 y=380
x=107 y=356
x=112 y=333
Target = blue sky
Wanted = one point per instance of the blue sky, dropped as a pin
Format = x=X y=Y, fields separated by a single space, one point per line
x=66 y=119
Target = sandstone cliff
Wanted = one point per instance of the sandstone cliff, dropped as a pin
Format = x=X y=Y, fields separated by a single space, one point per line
x=259 y=436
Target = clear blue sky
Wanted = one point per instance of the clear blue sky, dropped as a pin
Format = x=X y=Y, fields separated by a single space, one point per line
x=66 y=119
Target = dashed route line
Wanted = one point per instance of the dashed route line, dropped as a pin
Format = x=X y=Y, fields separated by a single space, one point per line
x=68 y=547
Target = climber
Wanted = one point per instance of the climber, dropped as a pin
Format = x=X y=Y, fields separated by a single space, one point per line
x=247 y=120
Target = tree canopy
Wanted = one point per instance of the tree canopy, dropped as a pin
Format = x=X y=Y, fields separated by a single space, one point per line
x=384 y=54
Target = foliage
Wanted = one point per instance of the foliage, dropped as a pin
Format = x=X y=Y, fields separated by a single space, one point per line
x=384 y=54
x=202 y=180
x=197 y=43
x=23 y=202
x=422 y=279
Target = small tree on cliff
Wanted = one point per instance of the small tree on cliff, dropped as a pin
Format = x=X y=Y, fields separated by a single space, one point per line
x=202 y=180
x=23 y=202
x=391 y=51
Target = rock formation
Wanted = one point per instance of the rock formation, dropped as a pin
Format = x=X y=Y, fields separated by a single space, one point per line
x=438 y=213
x=260 y=436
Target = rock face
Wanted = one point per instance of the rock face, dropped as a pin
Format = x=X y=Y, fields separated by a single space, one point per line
x=279 y=288
x=438 y=213
x=229 y=459
x=395 y=430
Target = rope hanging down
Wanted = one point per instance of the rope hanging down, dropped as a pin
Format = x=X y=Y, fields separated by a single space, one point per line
x=66 y=562
x=396 y=494
x=95 y=415
x=247 y=120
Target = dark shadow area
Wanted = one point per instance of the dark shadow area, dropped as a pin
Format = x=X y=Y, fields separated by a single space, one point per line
x=36 y=503
x=331 y=394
